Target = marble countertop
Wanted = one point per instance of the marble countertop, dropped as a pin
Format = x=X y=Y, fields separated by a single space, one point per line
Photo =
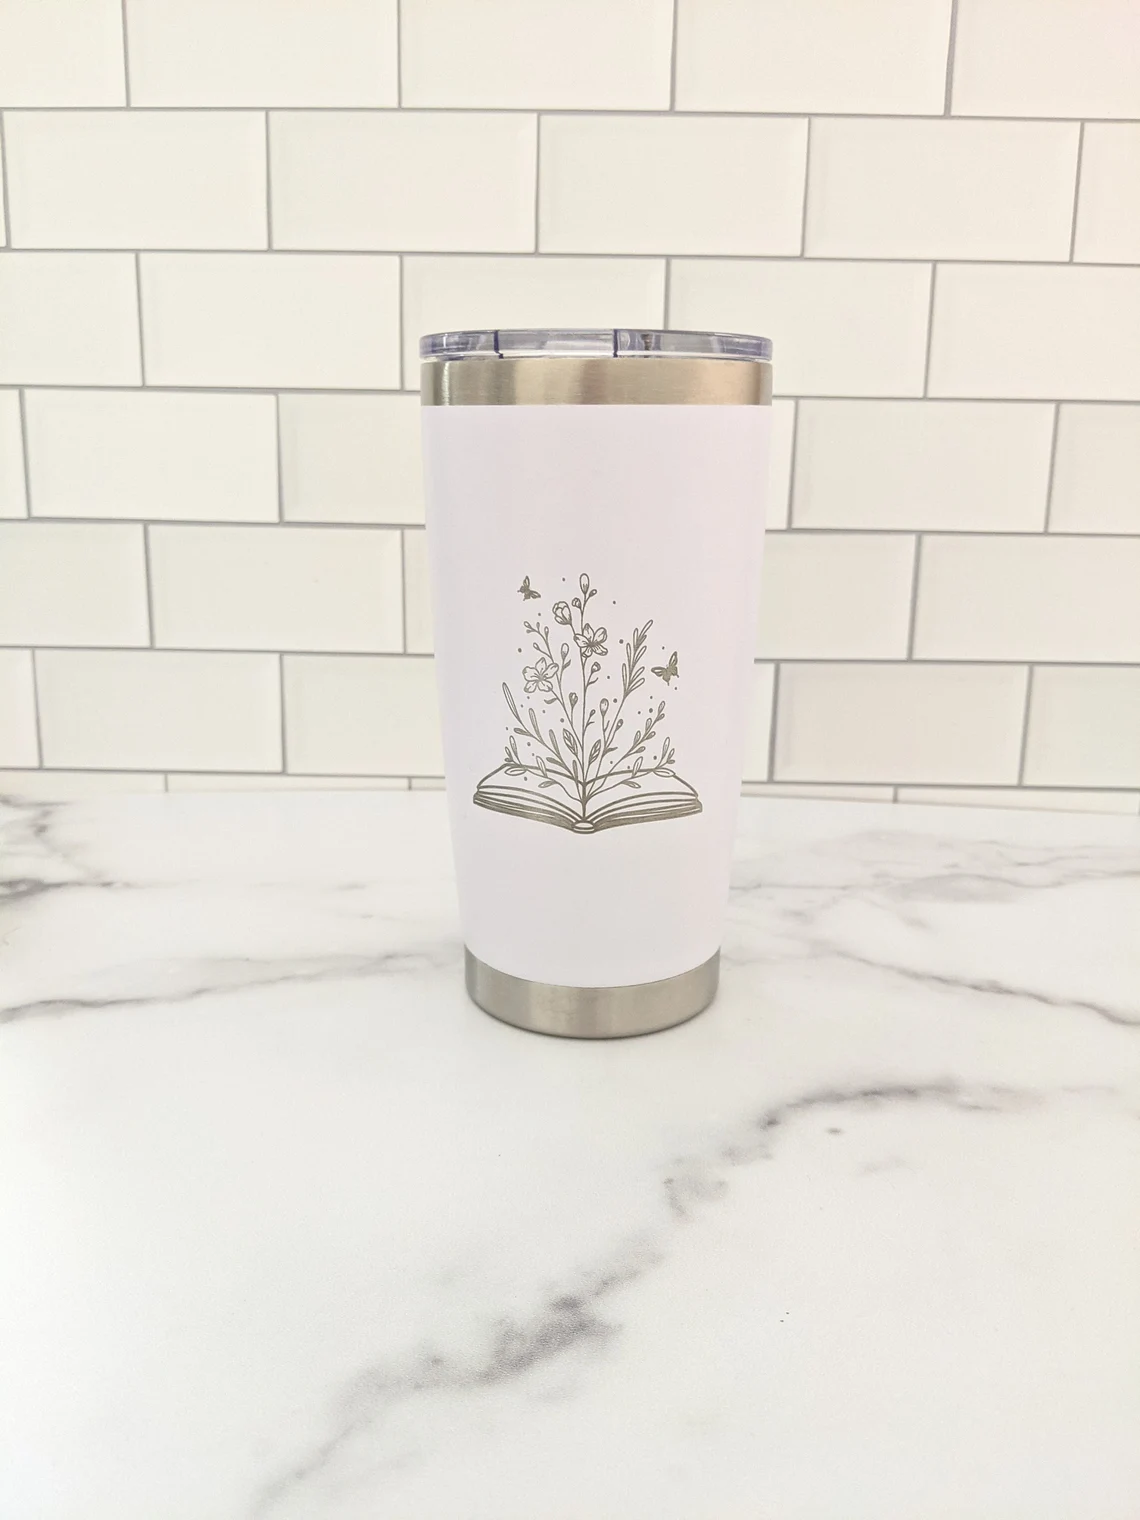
x=290 y=1231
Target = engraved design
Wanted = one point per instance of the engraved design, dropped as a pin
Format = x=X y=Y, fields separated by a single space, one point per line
x=575 y=767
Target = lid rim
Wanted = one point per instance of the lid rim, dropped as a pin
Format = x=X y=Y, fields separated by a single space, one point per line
x=587 y=342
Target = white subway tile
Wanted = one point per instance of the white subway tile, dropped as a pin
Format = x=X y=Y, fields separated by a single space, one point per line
x=158 y=710
x=357 y=715
x=351 y=459
x=1022 y=797
x=12 y=502
x=290 y=320
x=472 y=292
x=262 y=53
x=427 y=784
x=1047 y=58
x=206 y=781
x=152 y=454
x=837 y=328
x=1108 y=212
x=403 y=179
x=417 y=594
x=3 y=202
x=1029 y=331
x=17 y=709
x=758 y=733
x=276 y=588
x=922 y=464
x=671 y=184
x=942 y=189
x=896 y=723
x=73 y=786
x=1029 y=598
x=576 y=54
x=136 y=179
x=68 y=319
x=780 y=463
x=815 y=55
x=61 y=53
x=823 y=792
x=1096 y=477
x=836 y=596
x=1084 y=727
x=72 y=583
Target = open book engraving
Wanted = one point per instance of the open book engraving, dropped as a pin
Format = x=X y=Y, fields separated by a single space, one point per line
x=576 y=763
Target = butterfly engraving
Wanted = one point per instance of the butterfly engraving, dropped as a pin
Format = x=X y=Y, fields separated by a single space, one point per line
x=526 y=593
x=666 y=672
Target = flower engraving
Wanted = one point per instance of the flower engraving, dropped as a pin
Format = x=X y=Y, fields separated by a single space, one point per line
x=540 y=675
x=577 y=763
x=591 y=641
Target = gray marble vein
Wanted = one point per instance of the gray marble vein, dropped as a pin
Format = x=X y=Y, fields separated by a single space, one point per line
x=292 y=1232
x=572 y=1318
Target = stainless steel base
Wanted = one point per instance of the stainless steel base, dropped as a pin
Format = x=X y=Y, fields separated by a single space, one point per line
x=592 y=1013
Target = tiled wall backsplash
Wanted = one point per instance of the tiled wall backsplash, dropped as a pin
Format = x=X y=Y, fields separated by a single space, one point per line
x=226 y=222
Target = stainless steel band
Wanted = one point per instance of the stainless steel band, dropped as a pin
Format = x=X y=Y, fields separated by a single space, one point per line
x=569 y=380
x=592 y=1013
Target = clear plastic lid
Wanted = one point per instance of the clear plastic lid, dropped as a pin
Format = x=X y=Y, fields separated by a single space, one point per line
x=612 y=342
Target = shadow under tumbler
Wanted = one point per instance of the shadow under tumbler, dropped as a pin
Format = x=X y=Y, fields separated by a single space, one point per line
x=595 y=512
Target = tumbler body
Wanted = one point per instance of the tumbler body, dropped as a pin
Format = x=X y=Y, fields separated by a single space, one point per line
x=595 y=528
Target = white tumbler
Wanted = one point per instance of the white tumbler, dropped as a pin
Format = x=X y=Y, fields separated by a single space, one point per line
x=595 y=511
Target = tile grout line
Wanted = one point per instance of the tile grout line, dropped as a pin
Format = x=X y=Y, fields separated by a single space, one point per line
x=149 y=587
x=190 y=389
x=268 y=191
x=673 y=59
x=1077 y=191
x=792 y=462
x=281 y=712
x=399 y=54
x=596 y=256
x=913 y=616
x=39 y=765
x=461 y=110
x=394 y=653
x=127 y=770
x=929 y=332
x=795 y=531
x=866 y=662
x=280 y=471
x=1046 y=526
x=772 y=719
x=399 y=319
x=951 y=49
x=126 y=52
x=139 y=309
x=807 y=173
x=537 y=164
x=22 y=404
x=403 y=593
x=750 y=790
x=4 y=187
x=1025 y=728
x=346 y=525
